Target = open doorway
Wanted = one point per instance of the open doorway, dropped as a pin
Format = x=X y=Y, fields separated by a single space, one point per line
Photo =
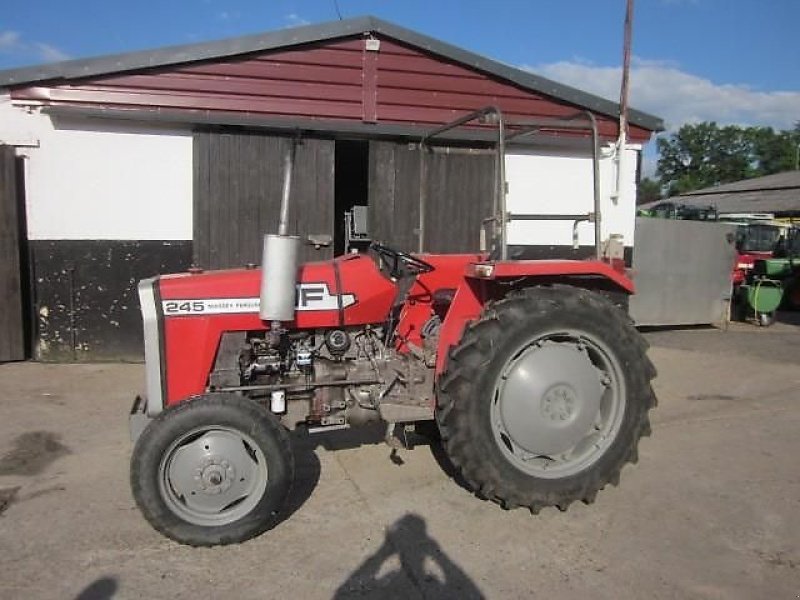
x=351 y=188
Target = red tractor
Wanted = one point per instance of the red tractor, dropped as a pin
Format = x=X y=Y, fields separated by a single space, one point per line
x=756 y=239
x=532 y=371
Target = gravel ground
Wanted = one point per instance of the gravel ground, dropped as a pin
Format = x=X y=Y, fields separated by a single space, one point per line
x=710 y=510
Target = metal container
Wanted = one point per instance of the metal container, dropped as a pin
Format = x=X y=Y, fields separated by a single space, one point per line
x=764 y=295
x=279 y=277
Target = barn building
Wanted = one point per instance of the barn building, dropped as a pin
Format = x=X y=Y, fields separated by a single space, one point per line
x=777 y=194
x=121 y=167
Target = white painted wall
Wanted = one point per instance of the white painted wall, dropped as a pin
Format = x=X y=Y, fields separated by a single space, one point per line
x=560 y=183
x=92 y=179
x=98 y=179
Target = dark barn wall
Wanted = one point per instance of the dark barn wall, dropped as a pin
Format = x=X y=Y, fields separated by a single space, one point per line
x=394 y=194
x=12 y=328
x=237 y=195
x=86 y=300
x=459 y=195
x=564 y=252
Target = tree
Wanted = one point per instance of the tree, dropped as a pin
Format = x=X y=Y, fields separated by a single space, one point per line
x=775 y=152
x=705 y=154
x=648 y=190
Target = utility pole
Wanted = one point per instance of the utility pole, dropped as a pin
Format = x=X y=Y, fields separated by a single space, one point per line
x=626 y=69
x=623 y=98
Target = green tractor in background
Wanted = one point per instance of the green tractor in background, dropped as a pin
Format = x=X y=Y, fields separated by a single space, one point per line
x=771 y=282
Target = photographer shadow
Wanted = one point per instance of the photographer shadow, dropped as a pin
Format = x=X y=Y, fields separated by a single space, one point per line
x=425 y=570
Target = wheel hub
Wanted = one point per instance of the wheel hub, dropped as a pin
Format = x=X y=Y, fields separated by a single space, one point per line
x=559 y=403
x=214 y=475
x=549 y=397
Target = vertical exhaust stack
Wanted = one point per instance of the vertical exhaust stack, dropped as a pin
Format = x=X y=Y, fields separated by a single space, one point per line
x=279 y=277
x=279 y=260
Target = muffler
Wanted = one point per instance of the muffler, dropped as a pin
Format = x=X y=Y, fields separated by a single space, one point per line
x=279 y=260
x=279 y=277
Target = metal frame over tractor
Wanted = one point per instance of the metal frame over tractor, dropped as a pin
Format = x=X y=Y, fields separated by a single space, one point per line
x=532 y=371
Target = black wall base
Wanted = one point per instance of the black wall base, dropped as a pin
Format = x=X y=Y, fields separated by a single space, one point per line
x=85 y=299
x=543 y=252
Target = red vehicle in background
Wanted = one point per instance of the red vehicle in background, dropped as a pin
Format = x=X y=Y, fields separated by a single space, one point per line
x=757 y=237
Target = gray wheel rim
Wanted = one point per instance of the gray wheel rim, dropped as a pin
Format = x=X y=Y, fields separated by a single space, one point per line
x=558 y=404
x=213 y=476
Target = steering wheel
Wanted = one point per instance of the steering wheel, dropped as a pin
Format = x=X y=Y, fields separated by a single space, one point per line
x=400 y=263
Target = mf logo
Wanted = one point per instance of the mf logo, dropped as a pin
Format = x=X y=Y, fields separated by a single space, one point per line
x=317 y=296
x=310 y=296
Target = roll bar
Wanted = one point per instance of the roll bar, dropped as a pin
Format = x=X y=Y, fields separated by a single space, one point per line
x=507 y=131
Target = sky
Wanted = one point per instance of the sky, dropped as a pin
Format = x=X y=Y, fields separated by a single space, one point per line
x=729 y=61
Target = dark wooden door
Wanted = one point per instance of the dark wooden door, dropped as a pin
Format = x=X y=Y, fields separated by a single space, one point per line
x=238 y=182
x=459 y=188
x=394 y=195
x=12 y=330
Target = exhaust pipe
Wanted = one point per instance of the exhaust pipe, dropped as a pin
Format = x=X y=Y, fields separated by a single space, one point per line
x=279 y=260
x=279 y=277
x=288 y=167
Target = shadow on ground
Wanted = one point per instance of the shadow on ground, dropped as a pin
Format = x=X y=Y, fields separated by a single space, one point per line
x=308 y=468
x=408 y=558
x=100 y=589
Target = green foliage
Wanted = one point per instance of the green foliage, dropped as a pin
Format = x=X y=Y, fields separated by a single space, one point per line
x=648 y=190
x=705 y=154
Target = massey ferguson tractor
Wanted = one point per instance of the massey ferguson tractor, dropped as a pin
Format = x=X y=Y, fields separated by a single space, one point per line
x=532 y=371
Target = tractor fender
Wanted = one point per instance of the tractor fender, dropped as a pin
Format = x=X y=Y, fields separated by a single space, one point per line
x=481 y=284
x=466 y=306
x=514 y=269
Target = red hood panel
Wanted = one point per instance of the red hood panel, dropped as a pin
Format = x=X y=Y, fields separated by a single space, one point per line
x=364 y=294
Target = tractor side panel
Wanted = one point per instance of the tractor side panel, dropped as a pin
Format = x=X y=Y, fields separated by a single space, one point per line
x=443 y=282
x=198 y=309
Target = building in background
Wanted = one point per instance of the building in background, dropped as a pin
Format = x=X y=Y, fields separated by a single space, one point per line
x=131 y=165
x=777 y=194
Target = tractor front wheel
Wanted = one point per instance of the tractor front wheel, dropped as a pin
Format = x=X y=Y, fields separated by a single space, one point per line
x=212 y=470
x=545 y=398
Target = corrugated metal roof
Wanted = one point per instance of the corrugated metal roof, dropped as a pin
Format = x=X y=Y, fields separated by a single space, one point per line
x=333 y=81
x=778 y=193
x=777 y=181
x=137 y=61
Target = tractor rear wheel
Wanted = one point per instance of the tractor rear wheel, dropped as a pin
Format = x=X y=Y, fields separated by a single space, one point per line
x=213 y=470
x=545 y=398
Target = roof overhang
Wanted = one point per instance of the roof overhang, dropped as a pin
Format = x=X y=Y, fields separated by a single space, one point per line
x=331 y=128
x=55 y=73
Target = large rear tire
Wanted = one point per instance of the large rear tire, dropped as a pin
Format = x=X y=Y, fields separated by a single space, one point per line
x=213 y=470
x=545 y=398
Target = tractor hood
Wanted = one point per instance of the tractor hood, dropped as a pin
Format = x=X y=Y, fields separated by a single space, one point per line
x=186 y=315
x=349 y=290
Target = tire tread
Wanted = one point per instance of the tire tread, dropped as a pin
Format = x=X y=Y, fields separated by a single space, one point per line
x=456 y=400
